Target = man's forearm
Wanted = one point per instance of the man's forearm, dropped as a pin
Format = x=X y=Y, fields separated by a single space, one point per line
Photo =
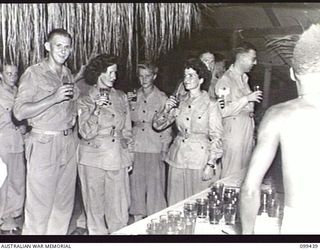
x=31 y=109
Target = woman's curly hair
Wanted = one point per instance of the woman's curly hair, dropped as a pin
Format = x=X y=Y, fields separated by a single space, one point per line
x=97 y=66
x=200 y=68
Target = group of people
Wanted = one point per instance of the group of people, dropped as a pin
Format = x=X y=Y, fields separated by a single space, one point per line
x=118 y=144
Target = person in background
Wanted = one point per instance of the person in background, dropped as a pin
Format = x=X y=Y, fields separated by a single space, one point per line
x=147 y=181
x=237 y=111
x=105 y=148
x=198 y=145
x=218 y=71
x=49 y=104
x=12 y=153
x=208 y=59
x=294 y=125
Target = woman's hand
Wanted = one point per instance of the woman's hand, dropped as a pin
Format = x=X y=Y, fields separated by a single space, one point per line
x=171 y=103
x=207 y=173
x=102 y=100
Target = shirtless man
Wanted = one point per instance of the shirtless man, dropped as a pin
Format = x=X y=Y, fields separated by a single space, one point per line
x=295 y=126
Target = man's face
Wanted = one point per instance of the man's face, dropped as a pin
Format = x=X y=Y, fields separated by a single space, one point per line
x=59 y=48
x=10 y=75
x=109 y=77
x=219 y=68
x=208 y=59
x=191 y=79
x=146 y=77
x=248 y=60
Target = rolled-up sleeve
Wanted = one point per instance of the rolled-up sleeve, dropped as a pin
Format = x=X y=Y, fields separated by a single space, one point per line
x=163 y=119
x=232 y=106
x=26 y=92
x=215 y=132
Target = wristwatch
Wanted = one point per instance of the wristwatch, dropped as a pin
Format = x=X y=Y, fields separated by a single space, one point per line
x=212 y=165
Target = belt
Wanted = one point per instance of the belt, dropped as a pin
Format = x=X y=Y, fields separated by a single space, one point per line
x=50 y=132
x=140 y=124
x=193 y=136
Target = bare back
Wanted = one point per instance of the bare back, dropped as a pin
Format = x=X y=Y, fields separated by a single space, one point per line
x=299 y=135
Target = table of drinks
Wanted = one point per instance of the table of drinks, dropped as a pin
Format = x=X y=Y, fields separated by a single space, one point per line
x=212 y=211
x=215 y=210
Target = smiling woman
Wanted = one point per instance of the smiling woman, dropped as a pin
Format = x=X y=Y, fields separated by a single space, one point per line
x=199 y=124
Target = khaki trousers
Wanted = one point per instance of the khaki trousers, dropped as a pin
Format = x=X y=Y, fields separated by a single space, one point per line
x=51 y=176
x=12 y=192
x=106 y=198
x=183 y=183
x=147 y=184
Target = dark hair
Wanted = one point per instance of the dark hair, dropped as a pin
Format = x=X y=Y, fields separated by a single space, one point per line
x=200 y=68
x=7 y=62
x=148 y=65
x=61 y=32
x=306 y=54
x=97 y=66
x=219 y=57
x=243 y=47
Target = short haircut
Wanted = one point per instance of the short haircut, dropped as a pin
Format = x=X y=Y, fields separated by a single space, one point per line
x=61 y=32
x=148 y=66
x=201 y=69
x=7 y=62
x=243 y=47
x=306 y=54
x=97 y=66
x=207 y=52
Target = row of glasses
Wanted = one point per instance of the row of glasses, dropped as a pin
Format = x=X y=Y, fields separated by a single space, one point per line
x=172 y=223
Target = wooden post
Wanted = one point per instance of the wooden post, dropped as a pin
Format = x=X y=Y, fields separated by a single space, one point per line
x=266 y=85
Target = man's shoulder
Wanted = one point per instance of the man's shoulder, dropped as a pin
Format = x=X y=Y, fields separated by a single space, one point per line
x=281 y=110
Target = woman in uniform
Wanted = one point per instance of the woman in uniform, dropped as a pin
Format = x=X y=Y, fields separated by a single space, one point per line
x=104 y=150
x=194 y=152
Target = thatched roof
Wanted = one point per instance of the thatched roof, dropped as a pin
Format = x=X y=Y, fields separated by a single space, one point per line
x=125 y=29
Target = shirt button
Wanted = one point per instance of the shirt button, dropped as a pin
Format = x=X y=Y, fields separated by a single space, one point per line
x=199 y=117
x=113 y=127
x=143 y=111
x=142 y=129
x=145 y=101
x=113 y=140
x=143 y=121
x=189 y=106
x=183 y=140
x=113 y=115
x=187 y=118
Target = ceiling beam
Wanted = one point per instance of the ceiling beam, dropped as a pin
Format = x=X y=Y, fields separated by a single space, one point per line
x=250 y=32
x=273 y=18
x=274 y=5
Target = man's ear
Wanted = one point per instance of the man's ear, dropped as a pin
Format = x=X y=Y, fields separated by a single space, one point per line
x=292 y=75
x=47 y=46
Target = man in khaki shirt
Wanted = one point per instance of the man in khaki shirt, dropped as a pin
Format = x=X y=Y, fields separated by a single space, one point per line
x=12 y=194
x=147 y=181
x=50 y=107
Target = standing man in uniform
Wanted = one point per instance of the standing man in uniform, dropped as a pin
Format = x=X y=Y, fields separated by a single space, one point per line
x=50 y=107
x=12 y=195
x=147 y=181
x=238 y=110
x=294 y=125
